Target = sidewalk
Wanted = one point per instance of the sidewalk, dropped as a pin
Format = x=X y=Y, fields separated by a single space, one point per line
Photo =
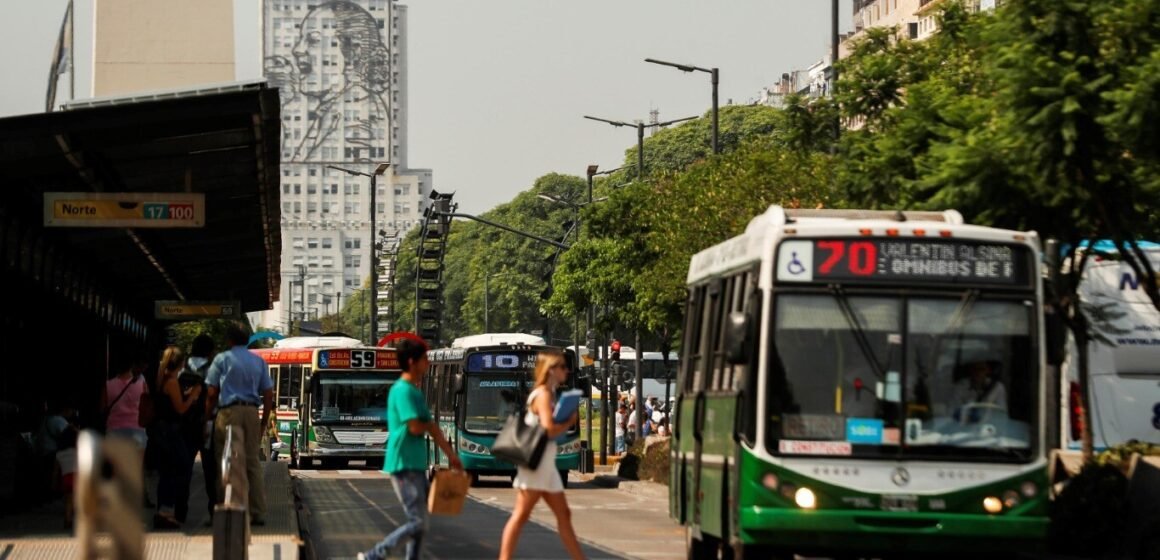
x=39 y=533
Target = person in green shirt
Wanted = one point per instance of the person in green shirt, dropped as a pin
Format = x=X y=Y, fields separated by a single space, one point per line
x=408 y=422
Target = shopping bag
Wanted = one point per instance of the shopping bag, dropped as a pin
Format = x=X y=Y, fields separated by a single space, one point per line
x=519 y=443
x=448 y=491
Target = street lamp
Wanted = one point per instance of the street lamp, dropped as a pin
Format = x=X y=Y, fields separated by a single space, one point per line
x=639 y=138
x=713 y=73
x=374 y=304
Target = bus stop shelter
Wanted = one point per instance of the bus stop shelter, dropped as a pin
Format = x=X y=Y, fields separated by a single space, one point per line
x=79 y=291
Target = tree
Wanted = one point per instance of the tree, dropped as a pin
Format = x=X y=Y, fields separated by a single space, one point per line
x=1034 y=118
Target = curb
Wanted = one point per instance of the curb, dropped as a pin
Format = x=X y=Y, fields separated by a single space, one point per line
x=639 y=487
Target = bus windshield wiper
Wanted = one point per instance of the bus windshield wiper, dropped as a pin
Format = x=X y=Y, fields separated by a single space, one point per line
x=856 y=329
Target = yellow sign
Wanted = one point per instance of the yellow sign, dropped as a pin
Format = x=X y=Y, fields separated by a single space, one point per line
x=140 y=210
x=188 y=311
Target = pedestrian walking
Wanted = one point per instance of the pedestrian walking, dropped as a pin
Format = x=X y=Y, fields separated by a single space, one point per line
x=543 y=482
x=121 y=401
x=621 y=425
x=238 y=382
x=408 y=421
x=177 y=445
x=198 y=420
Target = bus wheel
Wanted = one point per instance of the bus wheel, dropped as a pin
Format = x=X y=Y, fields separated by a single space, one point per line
x=564 y=478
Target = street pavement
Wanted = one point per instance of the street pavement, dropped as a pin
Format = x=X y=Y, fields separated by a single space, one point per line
x=347 y=511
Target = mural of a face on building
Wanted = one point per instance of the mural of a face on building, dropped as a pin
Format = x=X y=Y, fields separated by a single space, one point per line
x=363 y=78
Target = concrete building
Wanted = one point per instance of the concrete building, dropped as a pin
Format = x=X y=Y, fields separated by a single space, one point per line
x=341 y=68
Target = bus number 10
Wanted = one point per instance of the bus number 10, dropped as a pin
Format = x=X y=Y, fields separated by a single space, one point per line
x=501 y=361
x=362 y=359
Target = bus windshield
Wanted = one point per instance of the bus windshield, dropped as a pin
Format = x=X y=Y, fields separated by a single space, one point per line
x=351 y=397
x=490 y=399
x=890 y=375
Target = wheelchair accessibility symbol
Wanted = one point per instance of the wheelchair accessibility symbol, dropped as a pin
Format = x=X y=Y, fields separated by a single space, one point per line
x=795 y=261
x=795 y=266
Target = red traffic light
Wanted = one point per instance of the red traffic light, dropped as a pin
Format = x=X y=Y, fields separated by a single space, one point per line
x=616 y=346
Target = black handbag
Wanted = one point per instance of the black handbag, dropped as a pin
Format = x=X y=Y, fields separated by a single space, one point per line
x=519 y=443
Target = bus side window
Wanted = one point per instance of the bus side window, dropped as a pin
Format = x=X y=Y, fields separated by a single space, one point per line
x=695 y=364
x=745 y=376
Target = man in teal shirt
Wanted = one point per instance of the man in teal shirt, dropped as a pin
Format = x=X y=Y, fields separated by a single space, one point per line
x=408 y=421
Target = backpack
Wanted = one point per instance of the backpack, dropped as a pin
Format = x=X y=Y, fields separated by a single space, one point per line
x=191 y=420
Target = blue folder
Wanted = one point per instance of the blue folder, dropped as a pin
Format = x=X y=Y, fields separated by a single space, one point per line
x=567 y=404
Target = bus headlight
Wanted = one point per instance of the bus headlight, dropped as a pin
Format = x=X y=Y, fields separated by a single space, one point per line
x=1010 y=499
x=472 y=447
x=769 y=481
x=805 y=498
x=1029 y=489
x=992 y=504
x=322 y=435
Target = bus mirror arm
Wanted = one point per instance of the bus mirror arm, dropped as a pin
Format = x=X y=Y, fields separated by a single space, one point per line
x=737 y=333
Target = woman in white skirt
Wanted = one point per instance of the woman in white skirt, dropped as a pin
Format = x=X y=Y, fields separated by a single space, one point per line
x=544 y=481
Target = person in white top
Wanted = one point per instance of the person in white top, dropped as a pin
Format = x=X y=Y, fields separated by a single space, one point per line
x=621 y=419
x=543 y=482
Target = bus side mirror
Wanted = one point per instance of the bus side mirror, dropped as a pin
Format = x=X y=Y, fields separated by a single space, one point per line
x=458 y=384
x=737 y=338
x=1056 y=335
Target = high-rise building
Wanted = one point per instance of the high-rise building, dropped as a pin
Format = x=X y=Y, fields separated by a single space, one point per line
x=342 y=72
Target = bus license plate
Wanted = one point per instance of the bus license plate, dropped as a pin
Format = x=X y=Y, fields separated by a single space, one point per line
x=899 y=502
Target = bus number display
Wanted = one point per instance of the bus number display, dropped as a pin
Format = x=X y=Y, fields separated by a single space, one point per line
x=500 y=362
x=358 y=359
x=906 y=260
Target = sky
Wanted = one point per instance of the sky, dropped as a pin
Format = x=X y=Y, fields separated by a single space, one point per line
x=498 y=89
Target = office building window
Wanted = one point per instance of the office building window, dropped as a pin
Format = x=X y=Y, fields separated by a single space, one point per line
x=312 y=243
x=326 y=242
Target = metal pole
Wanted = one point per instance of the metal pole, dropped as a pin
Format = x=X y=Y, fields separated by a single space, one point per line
x=834 y=62
x=374 y=266
x=338 y=306
x=716 y=138
x=486 y=291
x=636 y=362
x=602 y=355
x=640 y=151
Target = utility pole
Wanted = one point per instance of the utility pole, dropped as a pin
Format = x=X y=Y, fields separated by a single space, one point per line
x=302 y=295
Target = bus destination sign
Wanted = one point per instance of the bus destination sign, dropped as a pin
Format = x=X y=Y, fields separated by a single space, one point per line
x=903 y=260
x=480 y=362
x=358 y=358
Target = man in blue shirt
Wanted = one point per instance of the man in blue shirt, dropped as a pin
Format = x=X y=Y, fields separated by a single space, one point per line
x=408 y=422
x=237 y=380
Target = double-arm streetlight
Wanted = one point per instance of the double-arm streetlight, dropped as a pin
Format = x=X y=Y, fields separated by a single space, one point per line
x=639 y=138
x=713 y=76
x=374 y=304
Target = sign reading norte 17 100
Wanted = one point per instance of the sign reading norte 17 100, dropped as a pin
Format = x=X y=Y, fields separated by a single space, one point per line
x=139 y=210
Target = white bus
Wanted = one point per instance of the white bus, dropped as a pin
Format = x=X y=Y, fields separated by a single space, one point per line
x=1124 y=357
x=862 y=383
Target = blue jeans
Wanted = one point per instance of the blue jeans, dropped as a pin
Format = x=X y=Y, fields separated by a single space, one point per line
x=411 y=488
x=619 y=444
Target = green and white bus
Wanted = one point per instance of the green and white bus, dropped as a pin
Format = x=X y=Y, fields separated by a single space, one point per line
x=342 y=414
x=473 y=388
x=862 y=383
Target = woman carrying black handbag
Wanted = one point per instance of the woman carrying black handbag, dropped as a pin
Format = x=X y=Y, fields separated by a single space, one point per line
x=543 y=481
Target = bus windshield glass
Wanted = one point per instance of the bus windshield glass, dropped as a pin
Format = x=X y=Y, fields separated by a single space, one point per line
x=490 y=399
x=351 y=397
x=887 y=376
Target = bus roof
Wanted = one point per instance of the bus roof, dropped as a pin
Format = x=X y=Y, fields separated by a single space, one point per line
x=763 y=232
x=318 y=342
x=495 y=339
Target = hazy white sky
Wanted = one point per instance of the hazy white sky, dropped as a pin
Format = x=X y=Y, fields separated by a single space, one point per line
x=498 y=89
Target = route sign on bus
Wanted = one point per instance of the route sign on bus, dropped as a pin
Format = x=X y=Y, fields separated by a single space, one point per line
x=172 y=310
x=358 y=358
x=139 y=210
x=907 y=260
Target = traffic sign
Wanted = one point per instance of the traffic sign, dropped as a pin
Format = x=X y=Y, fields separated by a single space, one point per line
x=140 y=210
x=193 y=310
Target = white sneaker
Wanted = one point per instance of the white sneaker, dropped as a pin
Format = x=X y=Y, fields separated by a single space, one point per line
x=361 y=556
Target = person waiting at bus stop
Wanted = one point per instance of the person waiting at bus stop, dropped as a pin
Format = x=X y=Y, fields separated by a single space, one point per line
x=238 y=382
x=409 y=421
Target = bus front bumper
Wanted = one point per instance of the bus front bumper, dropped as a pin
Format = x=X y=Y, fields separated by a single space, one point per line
x=868 y=531
x=344 y=451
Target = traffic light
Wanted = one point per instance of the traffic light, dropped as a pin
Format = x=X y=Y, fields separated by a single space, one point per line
x=615 y=350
